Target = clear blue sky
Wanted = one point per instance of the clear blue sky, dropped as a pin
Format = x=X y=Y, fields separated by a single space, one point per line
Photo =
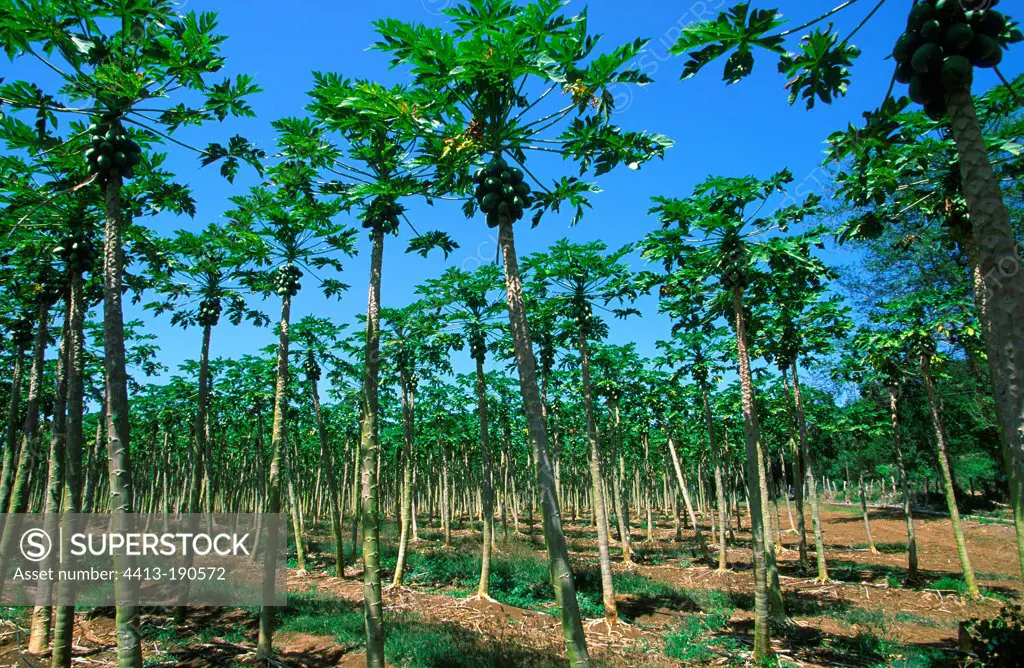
x=748 y=128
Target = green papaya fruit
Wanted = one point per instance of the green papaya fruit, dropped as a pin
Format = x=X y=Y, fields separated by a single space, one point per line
x=905 y=47
x=133 y=158
x=919 y=13
x=106 y=147
x=982 y=49
x=120 y=159
x=927 y=59
x=517 y=176
x=923 y=89
x=522 y=189
x=936 y=109
x=993 y=24
x=490 y=202
x=956 y=73
x=992 y=61
x=493 y=184
x=492 y=219
x=959 y=37
x=904 y=72
x=932 y=31
x=104 y=162
x=508 y=190
x=949 y=9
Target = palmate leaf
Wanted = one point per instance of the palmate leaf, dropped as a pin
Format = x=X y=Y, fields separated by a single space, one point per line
x=822 y=68
x=740 y=29
x=427 y=242
x=238 y=150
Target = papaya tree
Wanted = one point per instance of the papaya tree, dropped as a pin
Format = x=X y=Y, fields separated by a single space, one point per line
x=288 y=228
x=122 y=65
x=937 y=56
x=582 y=277
x=495 y=70
x=381 y=163
x=718 y=239
x=921 y=320
x=470 y=303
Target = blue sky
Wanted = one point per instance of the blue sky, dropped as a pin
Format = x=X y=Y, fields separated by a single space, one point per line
x=747 y=128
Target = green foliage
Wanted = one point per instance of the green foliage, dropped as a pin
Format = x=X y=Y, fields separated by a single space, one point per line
x=998 y=641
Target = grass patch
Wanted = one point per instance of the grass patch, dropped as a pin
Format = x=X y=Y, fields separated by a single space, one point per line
x=693 y=641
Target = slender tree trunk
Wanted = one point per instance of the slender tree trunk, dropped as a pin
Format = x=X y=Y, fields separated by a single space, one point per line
x=752 y=434
x=611 y=614
x=129 y=643
x=808 y=466
x=327 y=464
x=10 y=460
x=942 y=451
x=558 y=555
x=999 y=262
x=904 y=485
x=42 y=615
x=65 y=619
x=719 y=485
x=486 y=483
x=407 y=465
x=704 y=553
x=864 y=502
x=373 y=605
x=198 y=453
x=621 y=504
x=265 y=639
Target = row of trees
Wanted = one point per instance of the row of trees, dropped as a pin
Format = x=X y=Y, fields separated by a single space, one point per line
x=500 y=85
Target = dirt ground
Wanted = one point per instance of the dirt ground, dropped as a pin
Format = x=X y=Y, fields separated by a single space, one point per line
x=866 y=592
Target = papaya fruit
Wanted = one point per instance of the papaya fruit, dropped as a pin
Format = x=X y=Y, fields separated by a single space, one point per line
x=106 y=147
x=982 y=49
x=905 y=47
x=120 y=159
x=993 y=24
x=493 y=184
x=932 y=31
x=927 y=59
x=949 y=9
x=936 y=109
x=957 y=72
x=490 y=202
x=959 y=37
x=904 y=72
x=919 y=13
x=923 y=89
x=508 y=190
x=993 y=60
x=517 y=176
x=522 y=189
x=104 y=162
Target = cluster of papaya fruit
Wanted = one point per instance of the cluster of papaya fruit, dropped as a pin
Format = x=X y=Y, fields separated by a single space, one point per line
x=112 y=151
x=477 y=345
x=20 y=332
x=944 y=41
x=287 y=280
x=384 y=213
x=78 y=253
x=310 y=367
x=583 y=315
x=501 y=191
x=209 y=312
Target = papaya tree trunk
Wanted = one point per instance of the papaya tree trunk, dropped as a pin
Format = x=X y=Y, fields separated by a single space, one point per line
x=704 y=553
x=621 y=504
x=129 y=643
x=198 y=452
x=10 y=460
x=752 y=434
x=942 y=453
x=373 y=605
x=864 y=502
x=904 y=485
x=812 y=484
x=559 y=568
x=611 y=614
x=327 y=464
x=265 y=638
x=42 y=614
x=709 y=425
x=65 y=619
x=999 y=262
x=486 y=483
x=407 y=466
